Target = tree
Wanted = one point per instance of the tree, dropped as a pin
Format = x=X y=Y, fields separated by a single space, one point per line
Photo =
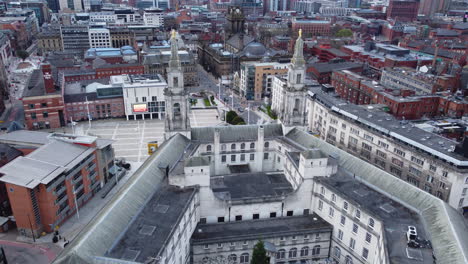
x=259 y=254
x=344 y=33
x=22 y=54
x=237 y=121
x=230 y=116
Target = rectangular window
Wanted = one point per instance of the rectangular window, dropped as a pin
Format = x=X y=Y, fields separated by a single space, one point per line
x=221 y=219
x=417 y=161
x=252 y=156
x=383 y=144
x=366 y=147
x=43 y=104
x=45 y=114
x=354 y=131
x=399 y=152
x=352 y=243
x=414 y=171
x=343 y=220
x=233 y=157
x=397 y=162
x=272 y=214
x=331 y=212
x=368 y=237
x=432 y=168
x=223 y=158
x=289 y=213
x=154 y=98
x=320 y=205
x=355 y=228
x=340 y=234
x=445 y=173
x=33 y=115
x=256 y=216
x=368 y=138
x=265 y=156
x=365 y=253
x=381 y=154
x=242 y=157
x=238 y=217
x=31 y=106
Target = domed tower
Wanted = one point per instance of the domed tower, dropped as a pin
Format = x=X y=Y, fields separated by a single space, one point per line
x=176 y=96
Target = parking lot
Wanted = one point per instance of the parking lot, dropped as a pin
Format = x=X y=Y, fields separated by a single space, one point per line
x=132 y=137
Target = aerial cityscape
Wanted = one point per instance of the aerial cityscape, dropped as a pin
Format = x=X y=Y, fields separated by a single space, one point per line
x=234 y=131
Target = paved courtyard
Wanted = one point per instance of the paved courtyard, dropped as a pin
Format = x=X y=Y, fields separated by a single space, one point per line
x=133 y=136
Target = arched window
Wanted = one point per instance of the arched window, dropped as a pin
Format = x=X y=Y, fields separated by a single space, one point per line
x=243 y=146
x=358 y=214
x=304 y=251
x=333 y=198
x=293 y=253
x=233 y=146
x=316 y=250
x=244 y=258
x=206 y=260
x=348 y=260
x=176 y=109
x=337 y=253
x=322 y=190
x=252 y=145
x=232 y=258
x=371 y=222
x=267 y=144
x=208 y=148
x=281 y=254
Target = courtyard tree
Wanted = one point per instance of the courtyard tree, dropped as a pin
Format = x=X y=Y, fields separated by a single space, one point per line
x=22 y=54
x=344 y=33
x=259 y=255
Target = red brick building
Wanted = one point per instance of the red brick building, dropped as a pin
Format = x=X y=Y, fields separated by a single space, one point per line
x=42 y=101
x=401 y=103
x=311 y=27
x=103 y=71
x=48 y=185
x=325 y=53
x=403 y=10
x=322 y=71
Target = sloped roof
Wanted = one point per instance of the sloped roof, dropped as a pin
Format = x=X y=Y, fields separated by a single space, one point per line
x=446 y=226
x=98 y=236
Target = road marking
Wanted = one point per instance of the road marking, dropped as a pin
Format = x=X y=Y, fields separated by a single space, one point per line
x=115 y=130
x=141 y=139
x=194 y=118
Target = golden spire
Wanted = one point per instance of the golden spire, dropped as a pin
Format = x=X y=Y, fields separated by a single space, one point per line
x=300 y=32
x=173 y=33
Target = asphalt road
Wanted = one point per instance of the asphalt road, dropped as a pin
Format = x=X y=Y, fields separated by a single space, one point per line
x=209 y=83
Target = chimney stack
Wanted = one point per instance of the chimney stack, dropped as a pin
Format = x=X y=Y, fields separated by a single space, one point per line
x=48 y=80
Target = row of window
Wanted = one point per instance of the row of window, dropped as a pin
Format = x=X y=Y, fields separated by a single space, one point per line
x=256 y=216
x=315 y=251
x=357 y=215
x=242 y=157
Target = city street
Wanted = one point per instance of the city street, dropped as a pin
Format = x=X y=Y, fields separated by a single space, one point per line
x=209 y=83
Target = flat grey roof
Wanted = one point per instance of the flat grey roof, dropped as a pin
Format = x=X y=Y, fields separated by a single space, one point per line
x=261 y=228
x=235 y=133
x=150 y=229
x=44 y=164
x=395 y=216
x=250 y=186
x=404 y=131
x=25 y=136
